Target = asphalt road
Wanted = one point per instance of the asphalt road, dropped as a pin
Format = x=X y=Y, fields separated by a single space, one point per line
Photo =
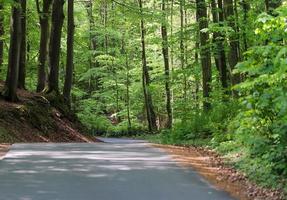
x=116 y=170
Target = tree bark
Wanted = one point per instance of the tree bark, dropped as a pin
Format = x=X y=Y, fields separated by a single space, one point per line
x=70 y=53
x=219 y=53
x=151 y=117
x=165 y=54
x=44 y=17
x=125 y=53
x=234 y=52
x=245 y=7
x=128 y=93
x=1 y=35
x=182 y=48
x=55 y=44
x=23 y=48
x=205 y=56
x=172 y=48
x=10 y=91
x=171 y=35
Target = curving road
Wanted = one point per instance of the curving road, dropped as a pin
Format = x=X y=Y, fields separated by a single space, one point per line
x=115 y=170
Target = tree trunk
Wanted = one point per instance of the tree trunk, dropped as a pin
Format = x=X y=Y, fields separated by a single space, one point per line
x=165 y=54
x=204 y=52
x=10 y=91
x=151 y=117
x=70 y=52
x=1 y=35
x=172 y=48
x=23 y=48
x=93 y=45
x=182 y=48
x=245 y=7
x=219 y=53
x=125 y=53
x=44 y=43
x=271 y=5
x=128 y=93
x=234 y=52
x=171 y=35
x=105 y=16
x=55 y=44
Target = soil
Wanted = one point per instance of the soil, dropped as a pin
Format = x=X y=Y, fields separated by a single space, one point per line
x=4 y=148
x=211 y=166
x=39 y=118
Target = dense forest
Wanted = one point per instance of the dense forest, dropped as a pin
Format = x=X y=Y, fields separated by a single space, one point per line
x=202 y=72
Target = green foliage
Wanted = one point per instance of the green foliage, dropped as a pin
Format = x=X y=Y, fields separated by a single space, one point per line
x=252 y=130
x=260 y=126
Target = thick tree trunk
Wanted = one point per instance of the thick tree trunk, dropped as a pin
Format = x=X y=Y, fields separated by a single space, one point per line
x=204 y=52
x=234 y=52
x=23 y=49
x=70 y=52
x=1 y=35
x=165 y=54
x=44 y=43
x=55 y=44
x=10 y=91
x=151 y=117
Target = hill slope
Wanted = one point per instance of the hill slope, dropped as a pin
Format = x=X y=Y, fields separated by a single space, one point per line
x=37 y=118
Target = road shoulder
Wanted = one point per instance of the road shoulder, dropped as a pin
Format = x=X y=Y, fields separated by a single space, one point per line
x=4 y=148
x=213 y=168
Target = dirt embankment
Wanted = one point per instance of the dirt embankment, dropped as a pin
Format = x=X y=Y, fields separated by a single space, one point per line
x=213 y=168
x=4 y=148
x=39 y=118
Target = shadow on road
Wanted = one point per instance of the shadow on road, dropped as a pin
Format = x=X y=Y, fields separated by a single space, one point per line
x=127 y=171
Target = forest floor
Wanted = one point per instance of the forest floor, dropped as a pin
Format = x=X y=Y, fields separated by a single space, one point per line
x=214 y=168
x=35 y=118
